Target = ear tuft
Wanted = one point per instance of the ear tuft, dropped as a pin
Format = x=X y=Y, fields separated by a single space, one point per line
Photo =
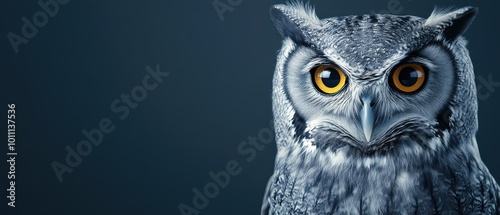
x=454 y=22
x=293 y=18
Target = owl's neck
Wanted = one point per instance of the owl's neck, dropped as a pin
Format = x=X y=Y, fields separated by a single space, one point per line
x=344 y=181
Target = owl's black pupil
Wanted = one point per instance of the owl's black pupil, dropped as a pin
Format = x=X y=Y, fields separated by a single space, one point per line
x=330 y=77
x=408 y=76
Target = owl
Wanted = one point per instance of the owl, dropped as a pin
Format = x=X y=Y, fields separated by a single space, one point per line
x=376 y=114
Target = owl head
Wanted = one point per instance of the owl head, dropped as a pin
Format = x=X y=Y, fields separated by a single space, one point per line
x=371 y=82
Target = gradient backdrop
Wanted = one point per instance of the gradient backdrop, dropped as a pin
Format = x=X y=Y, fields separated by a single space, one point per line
x=218 y=93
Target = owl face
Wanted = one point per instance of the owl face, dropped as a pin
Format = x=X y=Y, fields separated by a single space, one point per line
x=374 y=78
x=372 y=105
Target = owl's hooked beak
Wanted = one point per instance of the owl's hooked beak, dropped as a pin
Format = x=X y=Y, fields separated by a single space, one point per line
x=367 y=117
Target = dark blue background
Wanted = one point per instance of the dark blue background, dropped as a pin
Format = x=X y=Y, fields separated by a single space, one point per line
x=217 y=95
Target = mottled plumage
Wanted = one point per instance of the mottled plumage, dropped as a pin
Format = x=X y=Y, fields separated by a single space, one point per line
x=369 y=148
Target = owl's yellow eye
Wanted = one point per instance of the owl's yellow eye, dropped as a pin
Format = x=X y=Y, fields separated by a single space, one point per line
x=328 y=79
x=408 y=78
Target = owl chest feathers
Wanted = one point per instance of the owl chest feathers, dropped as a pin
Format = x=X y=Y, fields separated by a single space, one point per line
x=345 y=182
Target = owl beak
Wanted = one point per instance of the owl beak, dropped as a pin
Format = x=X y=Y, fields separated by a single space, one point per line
x=367 y=118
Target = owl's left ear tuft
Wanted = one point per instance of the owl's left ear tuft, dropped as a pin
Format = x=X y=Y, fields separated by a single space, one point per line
x=454 y=23
x=293 y=19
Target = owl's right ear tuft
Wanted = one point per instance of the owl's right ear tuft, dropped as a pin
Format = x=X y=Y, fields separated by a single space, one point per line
x=292 y=20
x=453 y=22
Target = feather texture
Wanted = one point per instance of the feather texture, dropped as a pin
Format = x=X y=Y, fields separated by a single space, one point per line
x=422 y=157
